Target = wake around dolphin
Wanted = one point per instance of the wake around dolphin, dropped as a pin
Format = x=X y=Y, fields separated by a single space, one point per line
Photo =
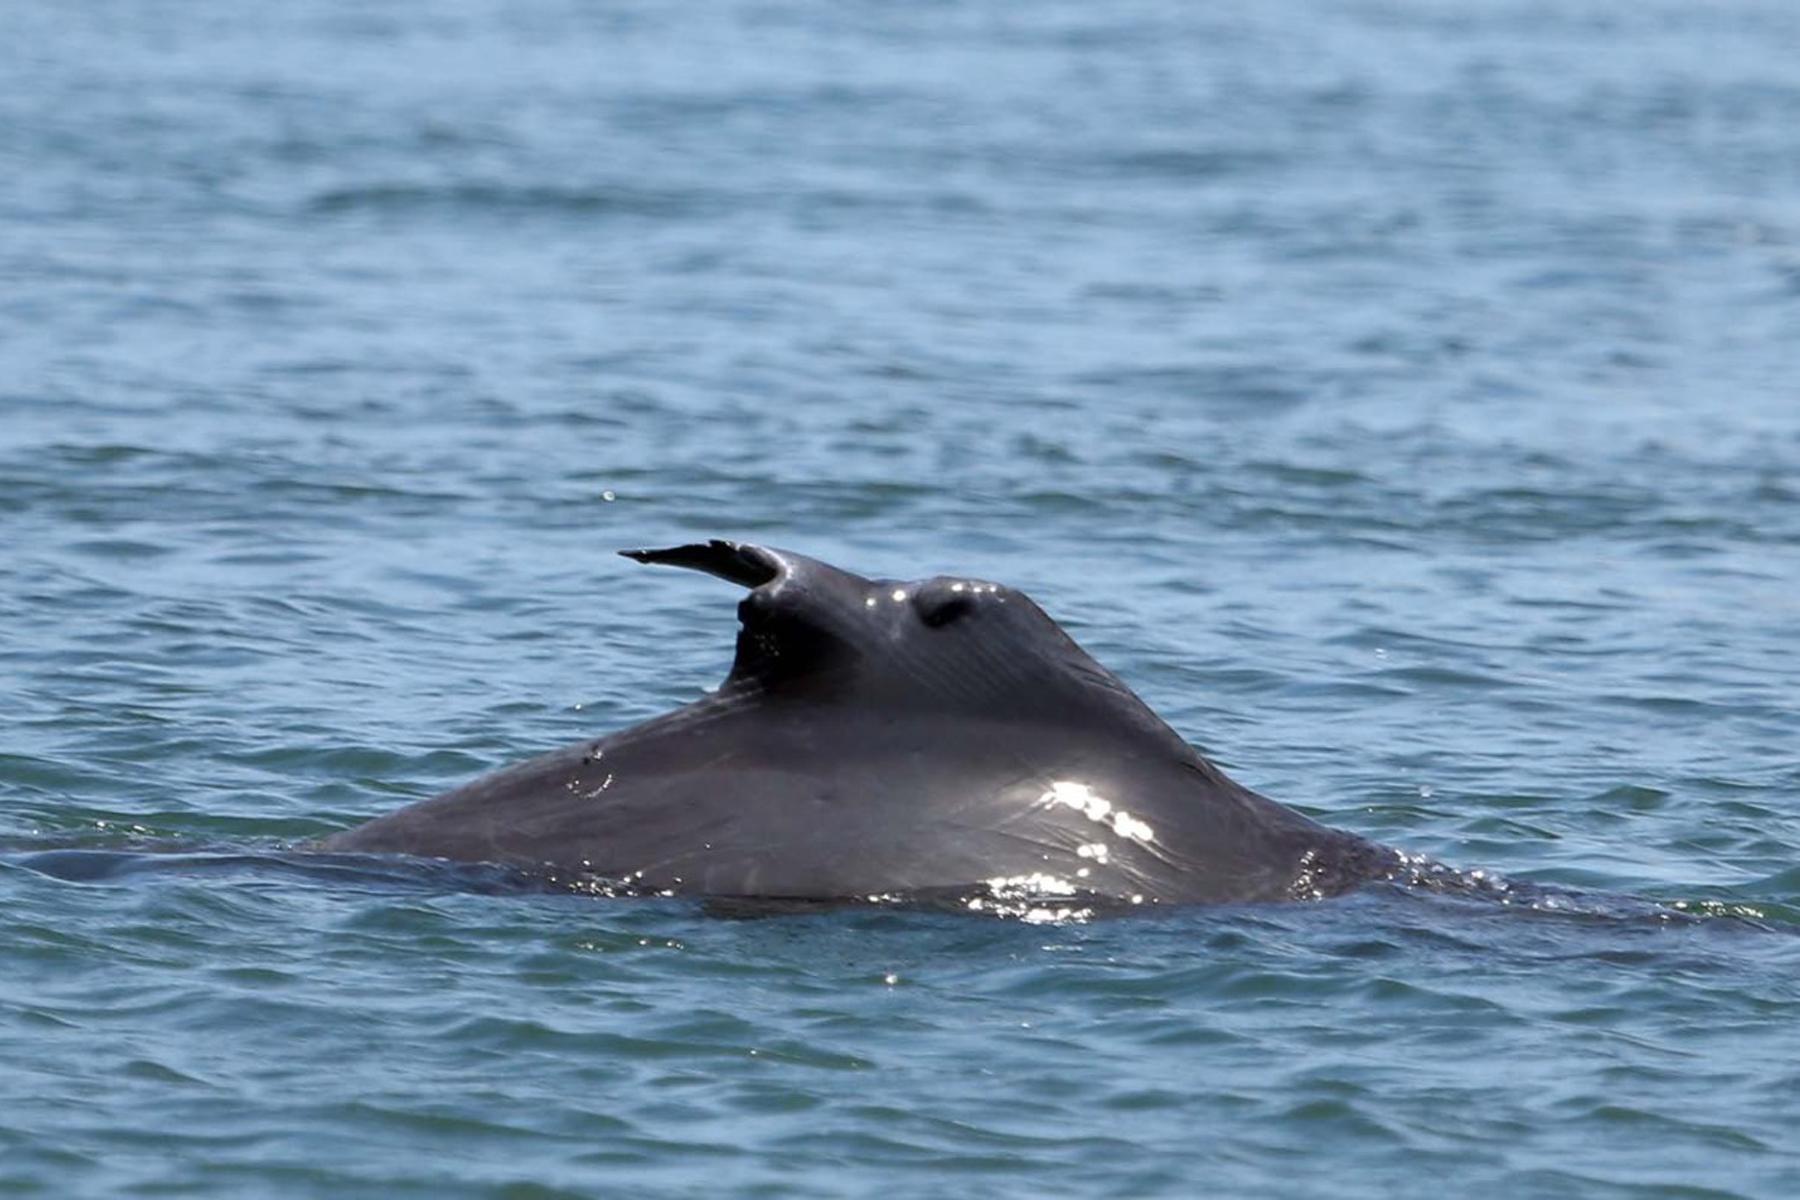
x=884 y=740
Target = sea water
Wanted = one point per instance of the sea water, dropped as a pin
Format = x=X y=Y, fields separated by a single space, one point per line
x=1404 y=398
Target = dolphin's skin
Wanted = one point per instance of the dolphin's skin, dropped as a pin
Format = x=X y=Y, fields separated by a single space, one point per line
x=884 y=739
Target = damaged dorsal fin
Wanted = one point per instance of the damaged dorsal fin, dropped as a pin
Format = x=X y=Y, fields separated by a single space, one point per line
x=738 y=562
x=802 y=620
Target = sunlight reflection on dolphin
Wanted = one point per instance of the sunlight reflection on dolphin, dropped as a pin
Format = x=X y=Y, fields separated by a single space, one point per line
x=1100 y=810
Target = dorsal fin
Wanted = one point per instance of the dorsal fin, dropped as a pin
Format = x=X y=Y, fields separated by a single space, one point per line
x=791 y=631
x=739 y=562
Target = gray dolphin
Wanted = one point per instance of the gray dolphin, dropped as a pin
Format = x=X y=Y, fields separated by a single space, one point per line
x=879 y=739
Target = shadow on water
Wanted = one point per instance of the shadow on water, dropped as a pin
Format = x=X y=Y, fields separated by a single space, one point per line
x=1423 y=881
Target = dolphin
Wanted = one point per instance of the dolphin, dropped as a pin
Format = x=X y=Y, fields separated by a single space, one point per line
x=884 y=740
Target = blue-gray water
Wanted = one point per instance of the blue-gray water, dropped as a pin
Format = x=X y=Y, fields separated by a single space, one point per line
x=1403 y=397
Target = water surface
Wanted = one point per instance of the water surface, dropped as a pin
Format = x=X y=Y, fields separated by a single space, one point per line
x=1400 y=397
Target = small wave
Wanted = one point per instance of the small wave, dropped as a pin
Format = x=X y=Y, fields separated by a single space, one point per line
x=506 y=199
x=1423 y=875
x=82 y=864
x=1031 y=899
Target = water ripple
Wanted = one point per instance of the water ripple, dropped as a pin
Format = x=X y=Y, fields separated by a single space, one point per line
x=1400 y=399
